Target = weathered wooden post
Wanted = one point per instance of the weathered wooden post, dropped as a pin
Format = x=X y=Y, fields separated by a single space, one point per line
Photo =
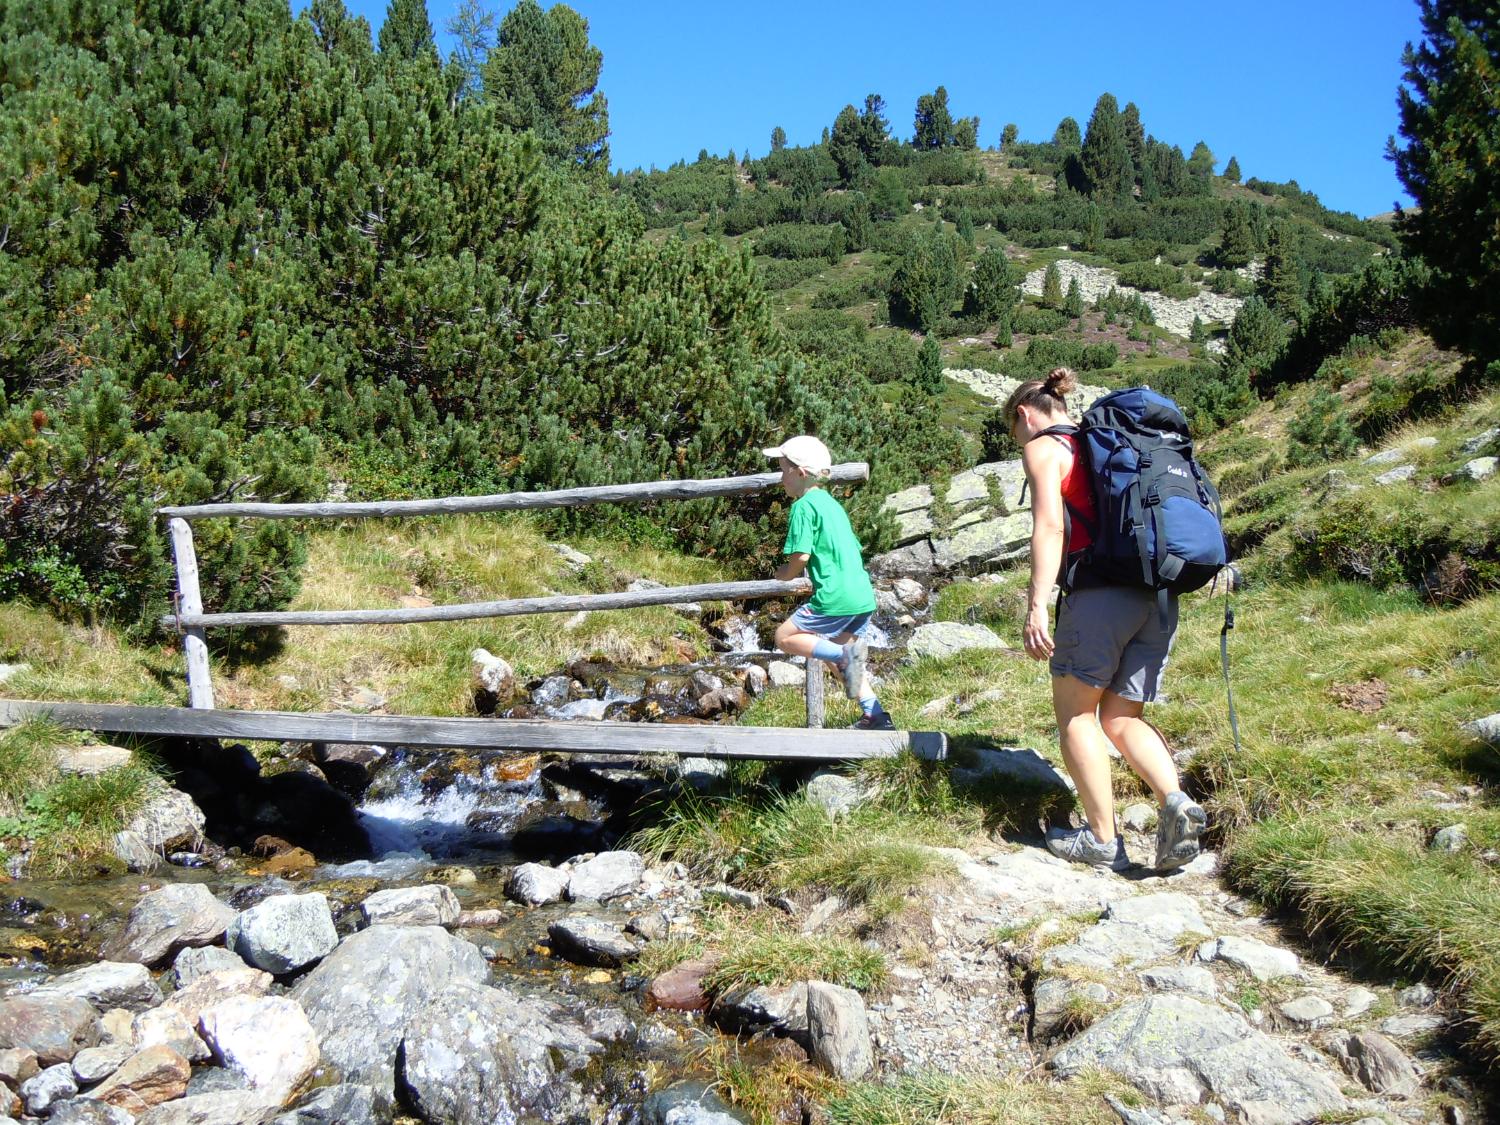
x=814 y=693
x=190 y=601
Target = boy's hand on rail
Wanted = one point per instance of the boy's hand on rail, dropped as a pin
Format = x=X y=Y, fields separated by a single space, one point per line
x=1035 y=634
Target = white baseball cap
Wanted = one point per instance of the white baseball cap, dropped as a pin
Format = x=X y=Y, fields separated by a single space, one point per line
x=806 y=452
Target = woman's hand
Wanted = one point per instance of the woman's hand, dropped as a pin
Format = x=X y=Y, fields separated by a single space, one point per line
x=1036 y=635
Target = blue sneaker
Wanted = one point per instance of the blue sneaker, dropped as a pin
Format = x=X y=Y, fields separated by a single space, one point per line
x=1080 y=845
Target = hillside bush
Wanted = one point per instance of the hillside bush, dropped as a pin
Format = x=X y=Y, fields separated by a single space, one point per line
x=1149 y=275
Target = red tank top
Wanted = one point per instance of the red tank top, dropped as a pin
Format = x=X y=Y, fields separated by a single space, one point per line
x=1078 y=496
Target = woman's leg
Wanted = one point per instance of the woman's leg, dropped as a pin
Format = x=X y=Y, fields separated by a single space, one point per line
x=1140 y=743
x=1084 y=751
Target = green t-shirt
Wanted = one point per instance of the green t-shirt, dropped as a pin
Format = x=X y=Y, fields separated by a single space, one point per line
x=818 y=527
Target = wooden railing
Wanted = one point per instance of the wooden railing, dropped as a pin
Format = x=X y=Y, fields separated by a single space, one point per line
x=192 y=622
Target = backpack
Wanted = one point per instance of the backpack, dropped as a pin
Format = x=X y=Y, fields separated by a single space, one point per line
x=1158 y=520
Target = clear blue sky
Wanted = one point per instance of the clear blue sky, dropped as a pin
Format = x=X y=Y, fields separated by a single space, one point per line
x=1299 y=90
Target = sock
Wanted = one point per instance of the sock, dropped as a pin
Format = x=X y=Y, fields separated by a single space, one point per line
x=870 y=705
x=827 y=650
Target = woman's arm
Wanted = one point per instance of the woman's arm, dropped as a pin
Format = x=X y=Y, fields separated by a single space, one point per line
x=1044 y=462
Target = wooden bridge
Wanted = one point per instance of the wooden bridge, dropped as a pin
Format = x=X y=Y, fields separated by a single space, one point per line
x=201 y=719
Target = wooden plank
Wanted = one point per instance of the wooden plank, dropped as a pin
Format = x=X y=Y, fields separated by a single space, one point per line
x=512 y=607
x=707 y=740
x=641 y=492
x=814 y=693
x=190 y=604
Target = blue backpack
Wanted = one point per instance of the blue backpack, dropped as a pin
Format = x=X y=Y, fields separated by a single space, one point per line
x=1158 y=521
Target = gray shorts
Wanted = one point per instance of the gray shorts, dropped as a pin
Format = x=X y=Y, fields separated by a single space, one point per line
x=1113 y=637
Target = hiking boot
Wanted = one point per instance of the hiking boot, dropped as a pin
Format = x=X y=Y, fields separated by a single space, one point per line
x=878 y=721
x=1080 y=845
x=1179 y=823
x=853 y=670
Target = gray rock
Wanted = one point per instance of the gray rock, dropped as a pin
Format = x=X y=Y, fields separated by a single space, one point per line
x=1013 y=765
x=1480 y=440
x=967 y=487
x=1358 y=1001
x=54 y=1028
x=820 y=915
x=1386 y=457
x=994 y=540
x=536 y=884
x=1052 y=1002
x=55 y=1084
x=265 y=1039
x=11 y=671
x=572 y=558
x=834 y=793
x=431 y=905
x=781 y=1009
x=192 y=962
x=168 y=821
x=1192 y=979
x=1396 y=475
x=1307 y=1012
x=224 y=1107
x=475 y=1055
x=95 y=1064
x=1407 y=1027
x=1419 y=995
x=1486 y=729
x=607 y=1025
x=688 y=1103
x=1134 y=932
x=839 y=1030
x=1177 y=1050
x=167 y=919
x=1377 y=1063
x=705 y=775
x=107 y=984
x=90 y=761
x=1263 y=962
x=283 y=933
x=362 y=997
x=1133 y=1115
x=911 y=594
x=1139 y=817
x=17 y=1064
x=168 y=1026
x=1452 y=839
x=1480 y=468
x=88 y=1111
x=723 y=892
x=941 y=639
x=909 y=499
x=344 y=1104
x=608 y=875
x=782 y=673
x=588 y=940
x=916 y=560
x=492 y=675
x=912 y=526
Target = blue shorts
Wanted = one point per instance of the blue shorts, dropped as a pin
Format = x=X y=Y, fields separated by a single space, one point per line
x=830 y=626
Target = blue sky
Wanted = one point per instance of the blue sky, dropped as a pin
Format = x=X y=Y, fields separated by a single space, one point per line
x=1301 y=90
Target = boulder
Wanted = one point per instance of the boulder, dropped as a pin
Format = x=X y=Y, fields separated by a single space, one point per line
x=90 y=761
x=916 y=560
x=169 y=918
x=88 y=1111
x=475 y=1055
x=283 y=933
x=909 y=499
x=1178 y=1050
x=213 y=987
x=53 y=1085
x=1053 y=1001
x=53 y=1028
x=783 y=673
x=911 y=594
x=536 y=884
x=429 y=905
x=608 y=875
x=1396 y=475
x=1261 y=961
x=266 y=1039
x=912 y=526
x=1452 y=839
x=680 y=989
x=781 y=1009
x=95 y=1064
x=1377 y=1063
x=1000 y=539
x=107 y=984
x=835 y=793
x=1191 y=979
x=344 y=1104
x=169 y=1027
x=940 y=639
x=147 y=1078
x=168 y=821
x=1480 y=468
x=222 y=1107
x=588 y=940
x=688 y=1103
x=1486 y=729
x=192 y=962
x=494 y=679
x=839 y=1030
x=361 y=998
x=1306 y=1012
x=704 y=775
x=18 y=1064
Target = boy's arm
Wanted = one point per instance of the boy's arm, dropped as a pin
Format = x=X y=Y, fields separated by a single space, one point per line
x=793 y=567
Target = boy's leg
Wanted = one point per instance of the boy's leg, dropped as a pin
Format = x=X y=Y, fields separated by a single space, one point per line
x=864 y=691
x=793 y=640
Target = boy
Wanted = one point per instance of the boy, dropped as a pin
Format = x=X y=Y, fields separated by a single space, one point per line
x=831 y=626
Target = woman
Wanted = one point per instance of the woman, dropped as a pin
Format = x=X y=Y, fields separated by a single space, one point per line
x=1110 y=650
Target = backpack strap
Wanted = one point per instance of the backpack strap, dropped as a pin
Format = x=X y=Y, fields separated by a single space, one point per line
x=1068 y=567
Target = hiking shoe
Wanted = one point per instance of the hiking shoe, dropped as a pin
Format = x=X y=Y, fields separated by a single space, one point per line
x=1178 y=826
x=1080 y=845
x=878 y=721
x=855 y=653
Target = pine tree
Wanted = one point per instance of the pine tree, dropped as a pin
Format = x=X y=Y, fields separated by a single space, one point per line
x=1135 y=135
x=1236 y=240
x=1201 y=162
x=965 y=227
x=926 y=282
x=406 y=35
x=1320 y=431
x=966 y=133
x=930 y=367
x=932 y=122
x=1232 y=170
x=1281 y=283
x=472 y=28
x=844 y=144
x=1093 y=227
x=1067 y=136
x=1198 y=333
x=1009 y=134
x=543 y=75
x=778 y=139
x=1073 y=303
x=1105 y=157
x=1052 y=291
x=993 y=288
x=1449 y=107
x=1256 y=340
x=874 y=130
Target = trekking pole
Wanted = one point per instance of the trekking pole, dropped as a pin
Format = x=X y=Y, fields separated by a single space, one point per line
x=1231 y=579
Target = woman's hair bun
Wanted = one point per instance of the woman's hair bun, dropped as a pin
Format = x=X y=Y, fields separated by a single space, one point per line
x=1061 y=381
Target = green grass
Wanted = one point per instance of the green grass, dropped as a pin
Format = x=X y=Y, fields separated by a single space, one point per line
x=765 y=948
x=945 y=1099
